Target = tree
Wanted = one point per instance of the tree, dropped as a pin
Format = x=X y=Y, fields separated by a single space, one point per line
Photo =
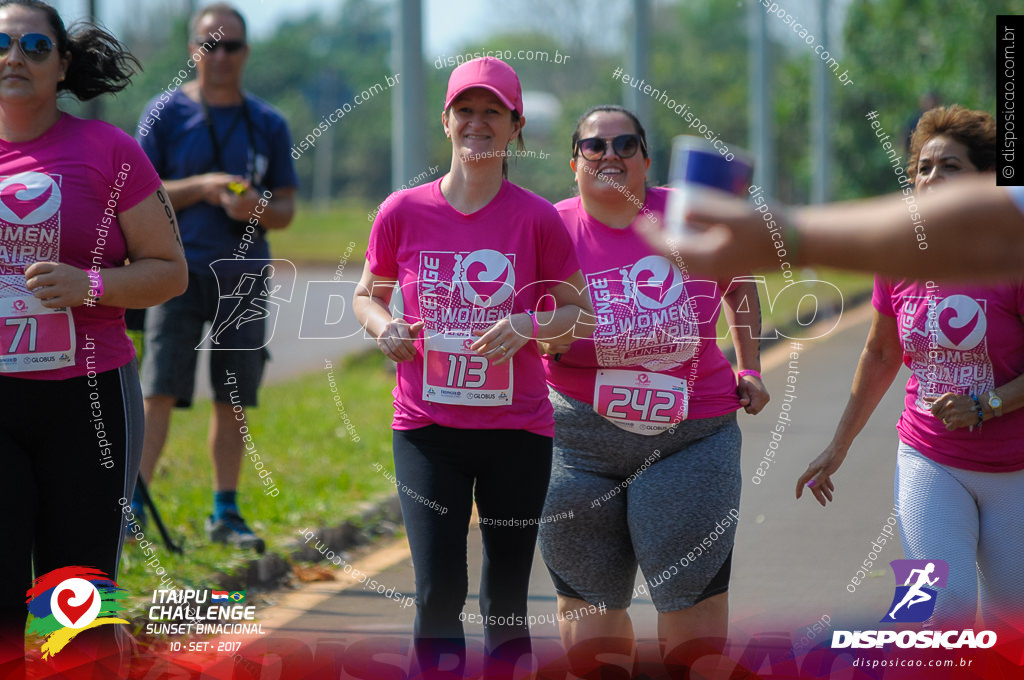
x=896 y=51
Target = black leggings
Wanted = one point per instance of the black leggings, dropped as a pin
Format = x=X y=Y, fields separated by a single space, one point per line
x=439 y=471
x=70 y=449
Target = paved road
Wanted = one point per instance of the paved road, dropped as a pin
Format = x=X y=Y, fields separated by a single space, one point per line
x=793 y=560
x=294 y=347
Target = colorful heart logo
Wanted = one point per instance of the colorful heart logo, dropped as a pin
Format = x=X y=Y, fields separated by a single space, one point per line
x=28 y=198
x=74 y=612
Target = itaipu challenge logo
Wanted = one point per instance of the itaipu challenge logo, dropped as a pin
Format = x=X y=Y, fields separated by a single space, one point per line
x=67 y=601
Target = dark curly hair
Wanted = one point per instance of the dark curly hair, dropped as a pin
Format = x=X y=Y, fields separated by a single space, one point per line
x=974 y=129
x=100 y=64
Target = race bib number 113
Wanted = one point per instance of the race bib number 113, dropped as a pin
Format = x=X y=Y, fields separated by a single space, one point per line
x=455 y=374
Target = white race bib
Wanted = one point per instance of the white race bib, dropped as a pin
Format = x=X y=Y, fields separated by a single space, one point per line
x=455 y=374
x=34 y=337
x=639 y=401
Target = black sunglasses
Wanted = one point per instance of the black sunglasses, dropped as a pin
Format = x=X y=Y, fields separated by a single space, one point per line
x=35 y=46
x=625 y=146
x=229 y=46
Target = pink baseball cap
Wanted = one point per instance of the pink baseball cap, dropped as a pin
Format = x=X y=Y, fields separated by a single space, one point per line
x=490 y=73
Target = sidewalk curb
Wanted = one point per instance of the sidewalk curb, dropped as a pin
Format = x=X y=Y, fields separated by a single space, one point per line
x=373 y=520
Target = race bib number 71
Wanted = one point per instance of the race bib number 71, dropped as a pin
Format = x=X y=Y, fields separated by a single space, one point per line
x=34 y=337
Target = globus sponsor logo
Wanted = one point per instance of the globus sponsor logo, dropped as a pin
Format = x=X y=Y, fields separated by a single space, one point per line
x=919 y=639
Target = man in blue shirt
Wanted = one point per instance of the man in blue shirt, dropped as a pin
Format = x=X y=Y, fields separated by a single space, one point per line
x=224 y=158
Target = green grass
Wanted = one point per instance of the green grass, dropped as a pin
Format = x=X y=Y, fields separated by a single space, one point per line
x=321 y=473
x=785 y=309
x=324 y=236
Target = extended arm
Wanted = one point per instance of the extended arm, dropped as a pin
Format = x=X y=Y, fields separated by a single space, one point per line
x=969 y=230
x=879 y=363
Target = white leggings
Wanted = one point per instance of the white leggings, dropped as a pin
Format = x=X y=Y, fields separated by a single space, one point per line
x=975 y=522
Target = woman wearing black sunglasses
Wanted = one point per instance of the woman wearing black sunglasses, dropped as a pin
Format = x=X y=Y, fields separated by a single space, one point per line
x=77 y=199
x=647 y=447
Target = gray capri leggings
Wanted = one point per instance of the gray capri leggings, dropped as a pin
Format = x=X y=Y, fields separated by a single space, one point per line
x=668 y=503
x=972 y=520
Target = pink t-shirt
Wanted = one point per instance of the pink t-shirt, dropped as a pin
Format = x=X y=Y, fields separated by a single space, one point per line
x=460 y=273
x=648 y=318
x=60 y=195
x=963 y=339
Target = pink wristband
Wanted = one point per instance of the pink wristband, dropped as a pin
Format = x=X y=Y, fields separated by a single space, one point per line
x=756 y=374
x=533 y=318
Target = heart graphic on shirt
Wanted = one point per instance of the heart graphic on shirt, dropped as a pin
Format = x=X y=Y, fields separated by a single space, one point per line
x=657 y=282
x=486 y=278
x=653 y=286
x=73 y=612
x=20 y=207
x=961 y=322
x=477 y=277
x=28 y=198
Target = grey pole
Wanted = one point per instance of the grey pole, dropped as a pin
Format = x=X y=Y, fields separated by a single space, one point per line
x=761 y=101
x=820 y=141
x=323 y=160
x=409 y=110
x=638 y=66
x=94 y=108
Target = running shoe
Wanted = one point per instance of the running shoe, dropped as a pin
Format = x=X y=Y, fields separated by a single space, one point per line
x=231 y=529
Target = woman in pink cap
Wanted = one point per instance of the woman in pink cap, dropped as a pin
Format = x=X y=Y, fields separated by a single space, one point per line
x=472 y=254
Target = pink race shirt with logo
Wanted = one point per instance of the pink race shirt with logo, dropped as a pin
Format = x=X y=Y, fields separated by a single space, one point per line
x=649 y=320
x=962 y=339
x=462 y=273
x=60 y=195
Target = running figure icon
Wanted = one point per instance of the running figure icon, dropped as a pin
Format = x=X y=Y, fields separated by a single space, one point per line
x=252 y=294
x=916 y=595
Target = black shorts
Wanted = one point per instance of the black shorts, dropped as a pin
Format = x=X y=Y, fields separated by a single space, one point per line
x=174 y=330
